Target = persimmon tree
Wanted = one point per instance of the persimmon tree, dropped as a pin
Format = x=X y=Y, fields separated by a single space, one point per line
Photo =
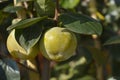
x=38 y=35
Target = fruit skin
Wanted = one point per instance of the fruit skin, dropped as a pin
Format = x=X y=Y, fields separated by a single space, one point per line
x=58 y=44
x=17 y=51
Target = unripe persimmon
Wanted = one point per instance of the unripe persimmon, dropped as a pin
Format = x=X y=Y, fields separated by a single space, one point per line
x=17 y=51
x=58 y=44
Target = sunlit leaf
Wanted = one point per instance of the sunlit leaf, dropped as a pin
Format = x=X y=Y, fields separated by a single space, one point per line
x=69 y=4
x=45 y=7
x=25 y=23
x=28 y=37
x=80 y=24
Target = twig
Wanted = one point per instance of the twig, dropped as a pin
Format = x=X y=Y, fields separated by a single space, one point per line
x=44 y=67
x=56 y=10
x=26 y=7
x=99 y=67
x=24 y=66
x=21 y=14
x=43 y=63
x=2 y=55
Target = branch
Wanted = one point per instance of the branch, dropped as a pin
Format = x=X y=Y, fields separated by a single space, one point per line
x=24 y=66
x=99 y=68
x=56 y=10
x=44 y=67
x=21 y=14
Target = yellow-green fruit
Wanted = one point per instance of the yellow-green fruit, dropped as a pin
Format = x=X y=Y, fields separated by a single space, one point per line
x=17 y=51
x=58 y=44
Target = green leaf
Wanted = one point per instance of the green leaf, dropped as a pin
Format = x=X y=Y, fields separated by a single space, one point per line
x=45 y=7
x=28 y=37
x=79 y=23
x=10 y=69
x=24 y=0
x=25 y=23
x=12 y=9
x=69 y=4
x=113 y=40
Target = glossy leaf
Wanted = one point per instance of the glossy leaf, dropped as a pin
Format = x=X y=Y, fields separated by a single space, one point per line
x=12 y=9
x=25 y=23
x=113 y=40
x=82 y=24
x=45 y=7
x=69 y=4
x=28 y=37
x=24 y=0
x=9 y=69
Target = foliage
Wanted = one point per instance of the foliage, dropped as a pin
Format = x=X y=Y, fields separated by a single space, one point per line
x=96 y=27
x=80 y=24
x=69 y=4
x=9 y=70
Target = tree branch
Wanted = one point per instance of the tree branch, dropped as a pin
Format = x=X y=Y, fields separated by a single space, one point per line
x=56 y=10
x=44 y=67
